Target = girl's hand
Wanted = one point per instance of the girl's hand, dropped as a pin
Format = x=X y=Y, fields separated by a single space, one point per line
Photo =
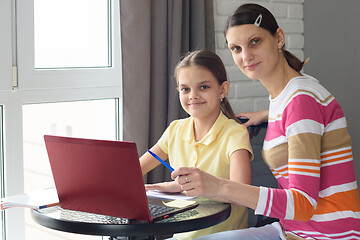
x=164 y=187
x=255 y=118
x=198 y=183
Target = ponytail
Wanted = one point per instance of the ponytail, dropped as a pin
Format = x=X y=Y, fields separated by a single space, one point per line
x=293 y=61
x=227 y=110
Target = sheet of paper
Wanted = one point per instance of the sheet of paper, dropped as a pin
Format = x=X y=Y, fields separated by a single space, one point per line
x=179 y=203
x=37 y=200
x=172 y=196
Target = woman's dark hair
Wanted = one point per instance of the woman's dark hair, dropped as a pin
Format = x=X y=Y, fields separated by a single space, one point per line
x=212 y=62
x=248 y=14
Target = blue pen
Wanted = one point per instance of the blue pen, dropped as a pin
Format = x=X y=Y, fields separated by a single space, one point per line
x=160 y=160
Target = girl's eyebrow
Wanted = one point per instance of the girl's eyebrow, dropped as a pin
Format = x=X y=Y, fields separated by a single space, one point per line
x=205 y=81
x=202 y=82
x=181 y=85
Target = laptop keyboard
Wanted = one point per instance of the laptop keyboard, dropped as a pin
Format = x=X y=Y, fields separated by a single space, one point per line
x=78 y=216
x=156 y=210
x=71 y=215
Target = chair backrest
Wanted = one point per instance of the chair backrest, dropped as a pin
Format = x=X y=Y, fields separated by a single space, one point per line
x=260 y=172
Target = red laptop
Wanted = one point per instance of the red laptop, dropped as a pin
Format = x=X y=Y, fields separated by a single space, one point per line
x=102 y=177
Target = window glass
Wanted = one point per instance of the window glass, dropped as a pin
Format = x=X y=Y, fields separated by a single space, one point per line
x=86 y=119
x=71 y=33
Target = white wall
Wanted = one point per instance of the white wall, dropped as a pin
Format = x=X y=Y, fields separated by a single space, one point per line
x=246 y=94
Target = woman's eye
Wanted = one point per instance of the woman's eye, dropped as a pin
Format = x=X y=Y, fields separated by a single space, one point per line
x=255 y=41
x=235 y=49
x=204 y=87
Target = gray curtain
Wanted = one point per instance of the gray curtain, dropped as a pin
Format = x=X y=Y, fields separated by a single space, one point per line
x=155 y=33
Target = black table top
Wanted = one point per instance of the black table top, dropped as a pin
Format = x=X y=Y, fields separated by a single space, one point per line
x=206 y=214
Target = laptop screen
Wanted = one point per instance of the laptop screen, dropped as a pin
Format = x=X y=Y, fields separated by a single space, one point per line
x=98 y=176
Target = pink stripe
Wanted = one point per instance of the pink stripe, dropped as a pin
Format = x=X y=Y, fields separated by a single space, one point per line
x=278 y=208
x=298 y=109
x=328 y=227
x=307 y=184
x=283 y=183
x=347 y=236
x=340 y=173
x=333 y=112
x=274 y=130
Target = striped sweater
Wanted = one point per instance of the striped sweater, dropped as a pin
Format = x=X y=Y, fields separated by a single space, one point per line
x=308 y=149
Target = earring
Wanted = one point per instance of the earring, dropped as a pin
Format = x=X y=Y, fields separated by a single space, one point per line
x=280 y=50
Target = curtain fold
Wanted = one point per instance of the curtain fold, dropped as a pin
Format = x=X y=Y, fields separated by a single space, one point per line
x=154 y=34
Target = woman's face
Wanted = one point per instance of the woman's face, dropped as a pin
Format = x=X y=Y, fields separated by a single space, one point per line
x=254 y=50
x=200 y=92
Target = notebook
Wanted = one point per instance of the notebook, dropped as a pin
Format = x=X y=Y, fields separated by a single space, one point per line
x=102 y=177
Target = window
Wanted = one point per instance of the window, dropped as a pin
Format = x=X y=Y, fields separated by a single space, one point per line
x=66 y=39
x=61 y=58
x=88 y=119
x=52 y=76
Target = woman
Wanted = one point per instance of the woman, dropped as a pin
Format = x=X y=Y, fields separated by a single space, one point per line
x=307 y=145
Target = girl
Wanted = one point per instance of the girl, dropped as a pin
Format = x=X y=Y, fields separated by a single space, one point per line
x=211 y=139
x=307 y=145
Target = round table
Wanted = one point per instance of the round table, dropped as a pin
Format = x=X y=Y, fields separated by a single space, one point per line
x=206 y=214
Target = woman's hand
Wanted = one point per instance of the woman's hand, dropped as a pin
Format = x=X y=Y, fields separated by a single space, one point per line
x=198 y=183
x=255 y=118
x=164 y=187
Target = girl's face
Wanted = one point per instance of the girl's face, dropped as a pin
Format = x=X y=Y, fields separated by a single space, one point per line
x=254 y=50
x=200 y=93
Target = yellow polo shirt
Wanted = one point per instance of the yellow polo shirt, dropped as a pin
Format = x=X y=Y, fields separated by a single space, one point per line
x=211 y=154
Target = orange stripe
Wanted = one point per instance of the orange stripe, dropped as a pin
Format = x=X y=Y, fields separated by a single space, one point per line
x=335 y=153
x=337 y=159
x=282 y=169
x=305 y=170
x=303 y=209
x=278 y=173
x=343 y=201
x=305 y=164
